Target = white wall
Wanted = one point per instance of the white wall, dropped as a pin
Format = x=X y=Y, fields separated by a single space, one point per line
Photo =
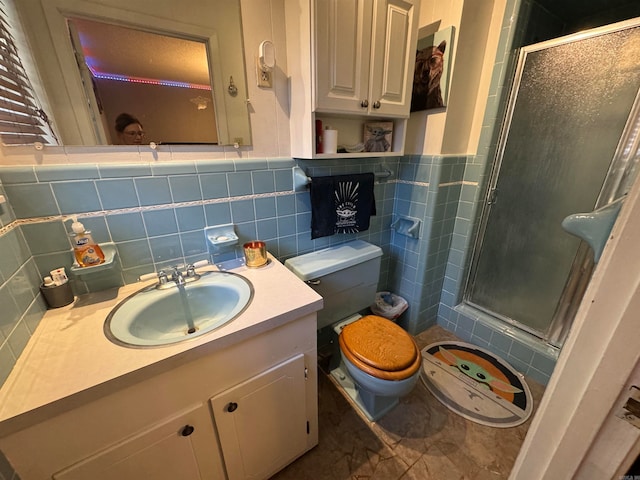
x=264 y=20
x=456 y=129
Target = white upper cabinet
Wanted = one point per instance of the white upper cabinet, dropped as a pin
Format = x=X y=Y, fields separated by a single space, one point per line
x=350 y=64
x=363 y=59
x=342 y=58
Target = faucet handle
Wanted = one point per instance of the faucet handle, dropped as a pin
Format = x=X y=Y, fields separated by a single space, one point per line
x=162 y=277
x=154 y=275
x=191 y=268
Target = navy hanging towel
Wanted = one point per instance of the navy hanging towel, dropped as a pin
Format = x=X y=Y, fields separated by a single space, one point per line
x=341 y=204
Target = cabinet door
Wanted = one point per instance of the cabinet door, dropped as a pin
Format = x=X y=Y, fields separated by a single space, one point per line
x=262 y=423
x=182 y=447
x=342 y=34
x=393 y=58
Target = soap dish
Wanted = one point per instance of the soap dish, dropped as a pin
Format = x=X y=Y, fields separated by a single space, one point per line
x=223 y=240
x=221 y=237
x=110 y=252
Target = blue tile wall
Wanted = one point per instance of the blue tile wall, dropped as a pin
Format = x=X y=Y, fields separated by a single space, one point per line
x=117 y=193
x=156 y=215
x=20 y=297
x=153 y=190
x=429 y=190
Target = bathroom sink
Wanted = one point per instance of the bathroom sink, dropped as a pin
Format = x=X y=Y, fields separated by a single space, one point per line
x=155 y=317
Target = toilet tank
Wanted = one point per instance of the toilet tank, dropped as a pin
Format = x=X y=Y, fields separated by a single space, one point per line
x=346 y=276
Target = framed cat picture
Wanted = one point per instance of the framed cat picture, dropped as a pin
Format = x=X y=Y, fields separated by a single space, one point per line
x=433 y=65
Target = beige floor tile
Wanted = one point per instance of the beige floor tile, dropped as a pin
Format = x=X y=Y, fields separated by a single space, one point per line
x=420 y=439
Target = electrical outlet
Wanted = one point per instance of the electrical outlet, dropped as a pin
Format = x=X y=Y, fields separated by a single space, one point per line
x=265 y=79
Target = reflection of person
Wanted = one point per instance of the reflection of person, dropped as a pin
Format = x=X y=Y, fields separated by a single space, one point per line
x=129 y=129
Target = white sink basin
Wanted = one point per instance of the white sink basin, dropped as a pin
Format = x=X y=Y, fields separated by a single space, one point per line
x=155 y=317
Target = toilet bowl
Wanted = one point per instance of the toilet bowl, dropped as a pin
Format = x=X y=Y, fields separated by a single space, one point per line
x=378 y=361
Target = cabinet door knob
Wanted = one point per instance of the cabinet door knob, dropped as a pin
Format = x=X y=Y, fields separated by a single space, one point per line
x=231 y=406
x=364 y=103
x=187 y=430
x=376 y=104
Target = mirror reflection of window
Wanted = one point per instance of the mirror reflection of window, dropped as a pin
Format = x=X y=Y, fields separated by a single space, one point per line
x=125 y=70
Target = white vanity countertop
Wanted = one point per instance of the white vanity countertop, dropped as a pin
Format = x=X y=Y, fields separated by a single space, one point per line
x=69 y=361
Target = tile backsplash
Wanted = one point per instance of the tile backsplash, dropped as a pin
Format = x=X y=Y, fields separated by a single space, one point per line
x=21 y=304
x=155 y=214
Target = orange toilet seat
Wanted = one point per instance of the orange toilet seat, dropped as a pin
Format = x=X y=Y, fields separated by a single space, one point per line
x=381 y=348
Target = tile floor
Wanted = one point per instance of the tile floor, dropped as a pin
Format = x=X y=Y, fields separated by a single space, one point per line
x=419 y=439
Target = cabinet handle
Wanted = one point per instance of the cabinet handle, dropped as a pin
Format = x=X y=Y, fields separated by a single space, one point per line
x=187 y=430
x=376 y=104
x=231 y=406
x=364 y=103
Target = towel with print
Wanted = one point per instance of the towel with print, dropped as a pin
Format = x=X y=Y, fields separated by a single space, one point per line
x=341 y=204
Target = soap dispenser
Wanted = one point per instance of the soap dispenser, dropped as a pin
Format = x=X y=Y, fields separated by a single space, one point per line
x=87 y=252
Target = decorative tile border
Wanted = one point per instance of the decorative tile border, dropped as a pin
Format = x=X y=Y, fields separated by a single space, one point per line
x=28 y=221
x=460 y=182
x=411 y=182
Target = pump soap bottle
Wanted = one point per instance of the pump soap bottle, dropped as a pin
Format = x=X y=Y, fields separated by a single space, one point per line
x=87 y=252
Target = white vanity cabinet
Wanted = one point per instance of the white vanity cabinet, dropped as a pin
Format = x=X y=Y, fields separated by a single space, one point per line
x=358 y=69
x=177 y=447
x=263 y=422
x=177 y=423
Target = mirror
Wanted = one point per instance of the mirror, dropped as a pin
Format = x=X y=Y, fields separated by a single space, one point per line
x=150 y=76
x=177 y=66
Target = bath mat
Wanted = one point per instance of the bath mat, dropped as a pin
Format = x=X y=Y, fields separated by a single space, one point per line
x=476 y=384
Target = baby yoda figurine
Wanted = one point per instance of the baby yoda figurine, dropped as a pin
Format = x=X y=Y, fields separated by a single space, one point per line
x=377 y=141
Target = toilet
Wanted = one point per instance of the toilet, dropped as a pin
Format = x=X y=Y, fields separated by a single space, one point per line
x=377 y=361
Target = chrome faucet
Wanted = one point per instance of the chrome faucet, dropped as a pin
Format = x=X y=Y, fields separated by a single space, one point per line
x=176 y=276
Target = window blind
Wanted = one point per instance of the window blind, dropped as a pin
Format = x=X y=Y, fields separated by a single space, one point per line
x=22 y=121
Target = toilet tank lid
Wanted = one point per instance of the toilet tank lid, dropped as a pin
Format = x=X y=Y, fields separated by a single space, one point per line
x=329 y=260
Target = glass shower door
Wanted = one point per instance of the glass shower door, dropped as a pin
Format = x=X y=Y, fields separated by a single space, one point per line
x=571 y=101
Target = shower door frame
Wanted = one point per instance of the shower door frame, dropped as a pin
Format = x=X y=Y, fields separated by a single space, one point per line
x=583 y=264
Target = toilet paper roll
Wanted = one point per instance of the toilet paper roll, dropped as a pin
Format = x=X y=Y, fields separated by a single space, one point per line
x=330 y=141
